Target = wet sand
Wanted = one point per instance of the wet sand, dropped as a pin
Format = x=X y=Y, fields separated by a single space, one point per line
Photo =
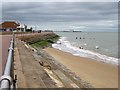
x=98 y=74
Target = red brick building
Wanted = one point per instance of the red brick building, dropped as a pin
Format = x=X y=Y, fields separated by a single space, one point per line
x=9 y=26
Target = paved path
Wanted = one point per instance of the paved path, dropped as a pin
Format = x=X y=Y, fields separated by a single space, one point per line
x=30 y=68
x=4 y=45
x=0 y=55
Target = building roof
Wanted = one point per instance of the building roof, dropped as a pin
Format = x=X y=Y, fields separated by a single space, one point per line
x=9 y=24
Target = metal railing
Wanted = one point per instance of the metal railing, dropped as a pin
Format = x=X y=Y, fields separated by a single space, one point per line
x=6 y=79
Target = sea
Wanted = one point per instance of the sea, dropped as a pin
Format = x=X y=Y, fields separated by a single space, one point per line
x=100 y=46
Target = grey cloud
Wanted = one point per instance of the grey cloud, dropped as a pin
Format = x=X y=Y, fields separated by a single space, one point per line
x=86 y=13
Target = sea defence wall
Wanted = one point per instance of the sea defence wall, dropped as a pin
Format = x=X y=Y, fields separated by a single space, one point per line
x=31 y=38
x=37 y=69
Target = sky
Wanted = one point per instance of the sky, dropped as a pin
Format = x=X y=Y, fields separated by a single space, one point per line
x=80 y=16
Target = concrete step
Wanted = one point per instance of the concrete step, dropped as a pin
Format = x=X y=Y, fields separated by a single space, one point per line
x=59 y=84
x=65 y=80
x=32 y=77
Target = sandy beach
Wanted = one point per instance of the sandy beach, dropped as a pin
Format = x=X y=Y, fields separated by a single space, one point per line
x=99 y=75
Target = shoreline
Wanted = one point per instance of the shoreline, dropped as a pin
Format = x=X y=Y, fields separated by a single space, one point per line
x=98 y=74
x=91 y=71
x=76 y=51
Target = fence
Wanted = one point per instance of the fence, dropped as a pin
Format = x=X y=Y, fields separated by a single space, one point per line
x=6 y=79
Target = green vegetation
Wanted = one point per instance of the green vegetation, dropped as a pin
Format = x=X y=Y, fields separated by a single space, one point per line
x=40 y=43
x=46 y=42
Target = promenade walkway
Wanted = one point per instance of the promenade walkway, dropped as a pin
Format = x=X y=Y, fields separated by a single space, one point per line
x=4 y=46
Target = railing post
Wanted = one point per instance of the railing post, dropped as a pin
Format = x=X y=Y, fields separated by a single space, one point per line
x=6 y=79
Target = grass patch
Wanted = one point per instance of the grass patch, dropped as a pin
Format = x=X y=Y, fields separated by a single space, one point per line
x=41 y=44
x=45 y=42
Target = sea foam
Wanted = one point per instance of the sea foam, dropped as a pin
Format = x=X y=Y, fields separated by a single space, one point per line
x=64 y=45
